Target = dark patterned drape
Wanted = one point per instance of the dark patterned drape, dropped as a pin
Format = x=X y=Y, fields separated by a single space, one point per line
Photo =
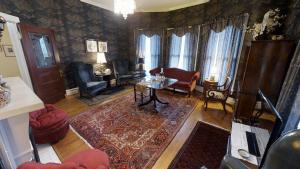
x=73 y=22
x=190 y=48
x=289 y=100
x=228 y=48
x=140 y=46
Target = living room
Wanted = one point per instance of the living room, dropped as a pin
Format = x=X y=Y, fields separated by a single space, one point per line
x=149 y=84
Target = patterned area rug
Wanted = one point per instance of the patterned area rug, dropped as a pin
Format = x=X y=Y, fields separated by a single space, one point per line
x=134 y=137
x=205 y=147
x=103 y=96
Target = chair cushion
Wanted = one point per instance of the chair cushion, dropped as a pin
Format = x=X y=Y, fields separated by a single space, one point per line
x=125 y=76
x=216 y=95
x=91 y=84
x=91 y=159
x=182 y=85
x=140 y=87
x=96 y=85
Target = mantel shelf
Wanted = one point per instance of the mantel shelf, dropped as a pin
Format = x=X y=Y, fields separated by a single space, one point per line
x=23 y=99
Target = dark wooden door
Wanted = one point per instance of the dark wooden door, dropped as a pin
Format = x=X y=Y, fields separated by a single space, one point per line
x=43 y=62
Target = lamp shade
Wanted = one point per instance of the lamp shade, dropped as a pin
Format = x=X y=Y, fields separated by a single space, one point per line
x=101 y=58
x=141 y=61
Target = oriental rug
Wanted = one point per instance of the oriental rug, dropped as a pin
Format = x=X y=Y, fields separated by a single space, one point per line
x=205 y=148
x=134 y=137
x=105 y=95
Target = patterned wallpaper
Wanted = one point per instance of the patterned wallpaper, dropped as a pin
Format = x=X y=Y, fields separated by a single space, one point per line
x=73 y=22
x=203 y=13
x=293 y=20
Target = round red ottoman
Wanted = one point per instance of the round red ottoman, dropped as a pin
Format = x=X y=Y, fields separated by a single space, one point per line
x=49 y=125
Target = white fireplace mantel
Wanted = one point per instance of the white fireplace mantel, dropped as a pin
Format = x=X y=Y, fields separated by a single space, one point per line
x=15 y=146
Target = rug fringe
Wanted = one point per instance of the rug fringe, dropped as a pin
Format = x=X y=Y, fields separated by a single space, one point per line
x=81 y=137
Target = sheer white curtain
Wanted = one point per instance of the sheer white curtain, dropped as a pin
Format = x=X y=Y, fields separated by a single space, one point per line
x=181 y=52
x=155 y=50
x=221 y=54
x=149 y=48
x=175 y=50
x=220 y=43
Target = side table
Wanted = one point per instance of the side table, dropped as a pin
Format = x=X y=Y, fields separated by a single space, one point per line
x=209 y=85
x=108 y=78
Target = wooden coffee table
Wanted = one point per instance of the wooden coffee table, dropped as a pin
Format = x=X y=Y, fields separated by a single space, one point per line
x=155 y=84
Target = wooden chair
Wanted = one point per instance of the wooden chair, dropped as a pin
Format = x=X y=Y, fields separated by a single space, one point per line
x=142 y=91
x=218 y=93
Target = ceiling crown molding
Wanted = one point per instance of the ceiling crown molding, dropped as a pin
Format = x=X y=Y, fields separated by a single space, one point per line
x=107 y=6
x=167 y=8
x=148 y=6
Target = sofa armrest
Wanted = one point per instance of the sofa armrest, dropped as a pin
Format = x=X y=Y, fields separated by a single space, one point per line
x=195 y=77
x=154 y=71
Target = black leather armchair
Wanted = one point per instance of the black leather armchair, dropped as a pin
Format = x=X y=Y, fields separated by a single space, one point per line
x=88 y=84
x=123 y=73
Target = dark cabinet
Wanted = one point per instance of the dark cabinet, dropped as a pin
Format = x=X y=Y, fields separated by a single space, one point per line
x=266 y=66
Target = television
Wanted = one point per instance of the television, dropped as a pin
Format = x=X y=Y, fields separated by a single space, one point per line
x=277 y=127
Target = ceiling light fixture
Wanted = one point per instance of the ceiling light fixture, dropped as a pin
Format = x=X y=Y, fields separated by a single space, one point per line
x=124 y=7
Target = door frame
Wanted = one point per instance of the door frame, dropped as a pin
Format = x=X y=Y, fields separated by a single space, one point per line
x=15 y=36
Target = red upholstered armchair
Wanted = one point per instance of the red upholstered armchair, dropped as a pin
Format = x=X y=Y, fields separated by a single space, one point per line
x=186 y=79
x=89 y=159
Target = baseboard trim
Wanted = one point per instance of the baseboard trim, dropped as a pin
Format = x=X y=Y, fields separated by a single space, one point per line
x=73 y=91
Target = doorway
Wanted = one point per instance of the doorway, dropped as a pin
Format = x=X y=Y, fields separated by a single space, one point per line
x=43 y=62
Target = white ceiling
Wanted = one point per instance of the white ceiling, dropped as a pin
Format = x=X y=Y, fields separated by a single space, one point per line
x=149 y=5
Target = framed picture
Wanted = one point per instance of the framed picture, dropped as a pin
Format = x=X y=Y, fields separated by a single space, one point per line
x=102 y=47
x=8 y=50
x=91 y=45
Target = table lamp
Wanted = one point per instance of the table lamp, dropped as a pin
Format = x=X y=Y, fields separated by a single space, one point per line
x=141 y=62
x=101 y=60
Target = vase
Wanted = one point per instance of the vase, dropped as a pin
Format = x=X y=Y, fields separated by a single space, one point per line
x=4 y=96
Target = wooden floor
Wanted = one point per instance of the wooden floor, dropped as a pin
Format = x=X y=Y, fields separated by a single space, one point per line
x=214 y=115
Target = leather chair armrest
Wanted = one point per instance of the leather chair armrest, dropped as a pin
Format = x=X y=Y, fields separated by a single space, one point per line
x=134 y=72
x=229 y=162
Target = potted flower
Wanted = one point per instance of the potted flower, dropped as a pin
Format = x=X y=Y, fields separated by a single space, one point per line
x=270 y=27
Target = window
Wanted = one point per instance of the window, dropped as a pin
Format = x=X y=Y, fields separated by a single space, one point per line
x=147 y=55
x=180 y=54
x=222 y=54
x=149 y=49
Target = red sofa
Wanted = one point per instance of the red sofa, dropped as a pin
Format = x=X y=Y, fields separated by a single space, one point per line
x=49 y=125
x=88 y=159
x=186 y=79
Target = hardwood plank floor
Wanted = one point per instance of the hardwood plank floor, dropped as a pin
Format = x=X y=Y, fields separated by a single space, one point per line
x=214 y=115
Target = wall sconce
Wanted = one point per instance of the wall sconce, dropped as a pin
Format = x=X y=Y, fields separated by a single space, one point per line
x=2 y=23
